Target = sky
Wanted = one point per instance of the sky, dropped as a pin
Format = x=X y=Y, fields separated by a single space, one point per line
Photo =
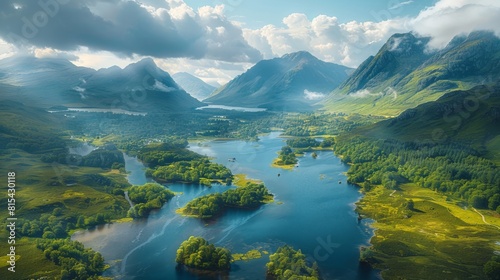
x=219 y=39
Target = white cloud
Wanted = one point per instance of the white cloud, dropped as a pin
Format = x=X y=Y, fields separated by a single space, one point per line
x=362 y=93
x=400 y=5
x=6 y=49
x=344 y=43
x=129 y=28
x=449 y=18
x=311 y=95
x=162 y=87
x=212 y=72
x=348 y=43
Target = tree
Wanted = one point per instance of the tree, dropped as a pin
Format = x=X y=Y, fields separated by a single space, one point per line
x=196 y=252
x=492 y=270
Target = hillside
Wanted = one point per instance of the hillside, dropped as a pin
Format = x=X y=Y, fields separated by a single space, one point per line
x=467 y=116
x=293 y=82
x=404 y=74
x=48 y=82
x=193 y=85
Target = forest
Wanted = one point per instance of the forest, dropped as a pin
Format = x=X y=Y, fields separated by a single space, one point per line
x=146 y=198
x=76 y=262
x=168 y=151
x=306 y=144
x=193 y=171
x=455 y=169
x=287 y=263
x=208 y=206
x=198 y=253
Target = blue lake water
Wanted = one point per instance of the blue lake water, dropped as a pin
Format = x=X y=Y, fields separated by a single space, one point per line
x=315 y=214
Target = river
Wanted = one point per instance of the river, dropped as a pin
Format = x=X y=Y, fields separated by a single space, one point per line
x=313 y=212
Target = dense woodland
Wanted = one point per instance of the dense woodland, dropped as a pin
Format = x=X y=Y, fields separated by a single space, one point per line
x=171 y=161
x=168 y=151
x=77 y=262
x=458 y=170
x=146 y=198
x=288 y=263
x=208 y=206
x=197 y=253
x=306 y=143
x=194 y=171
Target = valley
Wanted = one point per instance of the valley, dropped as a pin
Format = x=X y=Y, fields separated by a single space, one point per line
x=222 y=151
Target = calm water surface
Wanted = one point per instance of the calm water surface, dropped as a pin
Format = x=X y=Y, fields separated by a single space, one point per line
x=315 y=214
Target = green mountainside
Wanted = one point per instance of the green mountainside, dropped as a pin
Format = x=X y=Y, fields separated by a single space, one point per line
x=404 y=74
x=467 y=116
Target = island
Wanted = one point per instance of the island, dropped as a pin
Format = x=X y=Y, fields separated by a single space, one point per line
x=173 y=162
x=250 y=196
x=146 y=198
x=286 y=158
x=288 y=263
x=197 y=253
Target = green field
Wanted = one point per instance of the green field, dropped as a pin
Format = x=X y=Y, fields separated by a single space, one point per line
x=437 y=240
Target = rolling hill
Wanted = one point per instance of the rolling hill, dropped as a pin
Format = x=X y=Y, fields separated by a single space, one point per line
x=293 y=82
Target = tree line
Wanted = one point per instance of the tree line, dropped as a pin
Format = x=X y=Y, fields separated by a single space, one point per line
x=455 y=169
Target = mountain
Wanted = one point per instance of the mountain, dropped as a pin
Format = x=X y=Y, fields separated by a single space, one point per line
x=404 y=73
x=193 y=85
x=467 y=116
x=48 y=82
x=293 y=82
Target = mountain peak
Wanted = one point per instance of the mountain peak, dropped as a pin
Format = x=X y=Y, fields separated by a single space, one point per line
x=147 y=62
x=293 y=82
x=406 y=43
x=300 y=55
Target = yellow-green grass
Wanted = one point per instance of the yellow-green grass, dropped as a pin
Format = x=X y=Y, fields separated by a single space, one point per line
x=439 y=239
x=241 y=180
x=250 y=255
x=41 y=187
x=277 y=164
x=30 y=264
x=44 y=186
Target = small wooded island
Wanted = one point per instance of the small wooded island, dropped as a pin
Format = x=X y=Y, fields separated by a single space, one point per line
x=173 y=162
x=250 y=196
x=197 y=253
x=288 y=263
x=146 y=198
x=287 y=157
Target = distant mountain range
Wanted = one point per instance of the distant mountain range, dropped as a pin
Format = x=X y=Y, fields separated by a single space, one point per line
x=193 y=85
x=404 y=73
x=48 y=82
x=293 y=82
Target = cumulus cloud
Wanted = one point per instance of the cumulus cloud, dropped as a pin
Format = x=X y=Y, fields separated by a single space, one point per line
x=345 y=43
x=311 y=95
x=125 y=27
x=449 y=18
